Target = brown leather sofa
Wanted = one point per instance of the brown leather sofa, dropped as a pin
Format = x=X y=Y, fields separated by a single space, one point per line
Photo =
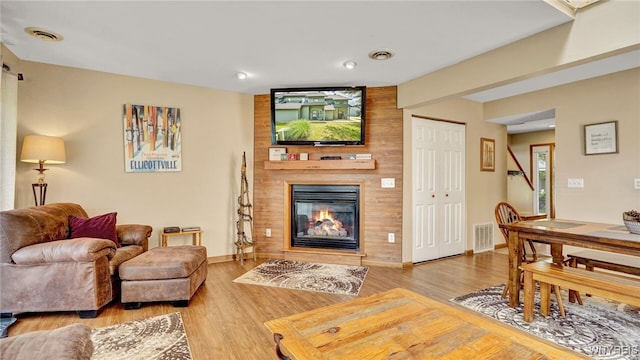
x=72 y=342
x=42 y=270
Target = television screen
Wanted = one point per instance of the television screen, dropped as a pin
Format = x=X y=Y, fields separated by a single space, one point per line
x=320 y=116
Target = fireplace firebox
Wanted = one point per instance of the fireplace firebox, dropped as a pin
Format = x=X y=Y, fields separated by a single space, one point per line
x=325 y=216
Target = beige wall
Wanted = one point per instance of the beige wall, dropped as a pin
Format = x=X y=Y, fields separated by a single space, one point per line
x=605 y=28
x=8 y=57
x=520 y=146
x=483 y=189
x=519 y=194
x=85 y=108
x=608 y=178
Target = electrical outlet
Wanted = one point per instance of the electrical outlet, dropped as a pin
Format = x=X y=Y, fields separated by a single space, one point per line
x=391 y=237
x=575 y=183
x=267 y=232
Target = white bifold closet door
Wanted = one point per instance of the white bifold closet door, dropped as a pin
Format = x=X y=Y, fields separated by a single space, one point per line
x=439 y=214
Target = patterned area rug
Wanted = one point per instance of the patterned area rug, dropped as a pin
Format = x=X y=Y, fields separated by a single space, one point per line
x=328 y=278
x=601 y=329
x=160 y=337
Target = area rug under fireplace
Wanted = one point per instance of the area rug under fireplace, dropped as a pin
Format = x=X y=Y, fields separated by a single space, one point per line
x=600 y=329
x=328 y=278
x=160 y=337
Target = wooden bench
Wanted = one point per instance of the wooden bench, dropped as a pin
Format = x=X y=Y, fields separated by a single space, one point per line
x=615 y=287
x=597 y=259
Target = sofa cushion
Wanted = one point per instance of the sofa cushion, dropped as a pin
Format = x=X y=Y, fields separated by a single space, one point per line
x=123 y=254
x=72 y=342
x=38 y=224
x=174 y=262
x=101 y=227
x=80 y=250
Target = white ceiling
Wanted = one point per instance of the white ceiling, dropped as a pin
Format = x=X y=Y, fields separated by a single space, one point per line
x=277 y=43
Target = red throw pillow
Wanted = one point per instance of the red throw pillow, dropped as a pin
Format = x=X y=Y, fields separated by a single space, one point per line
x=101 y=226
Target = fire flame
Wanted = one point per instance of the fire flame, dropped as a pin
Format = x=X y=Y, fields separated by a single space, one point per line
x=326 y=225
x=325 y=215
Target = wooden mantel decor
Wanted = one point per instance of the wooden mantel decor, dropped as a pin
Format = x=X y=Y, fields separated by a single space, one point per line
x=321 y=165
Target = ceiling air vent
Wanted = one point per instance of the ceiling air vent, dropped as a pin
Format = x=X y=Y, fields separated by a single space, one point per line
x=43 y=34
x=382 y=54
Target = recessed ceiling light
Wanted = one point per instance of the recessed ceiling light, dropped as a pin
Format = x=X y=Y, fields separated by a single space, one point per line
x=349 y=64
x=241 y=75
x=43 y=34
x=382 y=54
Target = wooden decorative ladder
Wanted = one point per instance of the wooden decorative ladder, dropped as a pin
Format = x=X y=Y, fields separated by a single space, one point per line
x=244 y=224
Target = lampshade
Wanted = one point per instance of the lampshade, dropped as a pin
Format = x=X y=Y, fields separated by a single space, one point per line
x=48 y=149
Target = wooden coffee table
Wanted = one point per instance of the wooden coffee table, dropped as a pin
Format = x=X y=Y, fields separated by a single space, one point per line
x=399 y=324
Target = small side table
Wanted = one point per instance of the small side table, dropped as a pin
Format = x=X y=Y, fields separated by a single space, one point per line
x=196 y=236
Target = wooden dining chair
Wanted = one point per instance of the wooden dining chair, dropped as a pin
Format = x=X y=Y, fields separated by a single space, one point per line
x=505 y=213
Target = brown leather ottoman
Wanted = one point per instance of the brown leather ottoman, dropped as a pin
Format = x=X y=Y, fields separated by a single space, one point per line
x=171 y=273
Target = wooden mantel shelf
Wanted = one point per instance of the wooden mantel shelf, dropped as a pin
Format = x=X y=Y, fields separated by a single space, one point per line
x=320 y=165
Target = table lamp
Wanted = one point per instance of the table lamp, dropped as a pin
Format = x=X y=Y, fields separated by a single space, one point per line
x=40 y=149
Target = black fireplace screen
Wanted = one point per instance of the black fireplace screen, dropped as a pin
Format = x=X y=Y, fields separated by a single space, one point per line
x=325 y=216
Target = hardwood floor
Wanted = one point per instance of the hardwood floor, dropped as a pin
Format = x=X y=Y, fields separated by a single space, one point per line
x=225 y=320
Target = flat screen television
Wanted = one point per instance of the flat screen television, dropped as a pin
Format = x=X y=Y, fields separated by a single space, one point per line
x=318 y=116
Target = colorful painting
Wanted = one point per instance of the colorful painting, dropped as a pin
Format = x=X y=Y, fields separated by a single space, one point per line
x=152 y=138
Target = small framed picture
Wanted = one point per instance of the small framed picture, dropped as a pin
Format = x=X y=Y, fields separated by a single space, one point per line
x=601 y=138
x=487 y=154
x=275 y=153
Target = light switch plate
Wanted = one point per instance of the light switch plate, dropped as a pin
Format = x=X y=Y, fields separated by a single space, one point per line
x=388 y=182
x=636 y=183
x=575 y=183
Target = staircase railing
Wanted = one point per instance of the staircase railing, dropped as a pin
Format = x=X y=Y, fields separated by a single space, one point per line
x=526 y=178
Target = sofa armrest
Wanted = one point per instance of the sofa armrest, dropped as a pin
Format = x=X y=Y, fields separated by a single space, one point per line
x=134 y=234
x=69 y=342
x=79 y=249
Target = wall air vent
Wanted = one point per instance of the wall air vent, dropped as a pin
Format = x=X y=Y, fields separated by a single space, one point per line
x=482 y=237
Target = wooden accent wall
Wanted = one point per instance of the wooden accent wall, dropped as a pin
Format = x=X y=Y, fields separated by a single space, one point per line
x=382 y=207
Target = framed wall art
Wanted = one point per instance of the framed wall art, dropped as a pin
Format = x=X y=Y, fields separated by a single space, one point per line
x=487 y=154
x=601 y=138
x=152 y=138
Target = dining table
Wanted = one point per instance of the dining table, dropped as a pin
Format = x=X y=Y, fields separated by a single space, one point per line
x=558 y=233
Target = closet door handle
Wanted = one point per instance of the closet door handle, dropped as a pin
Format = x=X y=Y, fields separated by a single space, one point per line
x=432 y=195
x=446 y=195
